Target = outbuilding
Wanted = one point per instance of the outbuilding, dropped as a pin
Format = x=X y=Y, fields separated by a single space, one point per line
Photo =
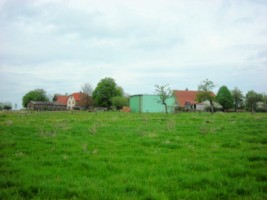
x=45 y=106
x=146 y=103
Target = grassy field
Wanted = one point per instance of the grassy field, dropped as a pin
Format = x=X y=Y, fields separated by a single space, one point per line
x=111 y=155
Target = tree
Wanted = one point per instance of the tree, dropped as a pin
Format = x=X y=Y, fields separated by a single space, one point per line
x=7 y=106
x=104 y=91
x=87 y=89
x=120 y=91
x=205 y=93
x=264 y=100
x=164 y=92
x=119 y=102
x=237 y=97
x=34 y=95
x=251 y=100
x=86 y=97
x=225 y=98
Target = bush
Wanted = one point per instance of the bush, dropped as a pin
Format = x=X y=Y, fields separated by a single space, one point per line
x=119 y=102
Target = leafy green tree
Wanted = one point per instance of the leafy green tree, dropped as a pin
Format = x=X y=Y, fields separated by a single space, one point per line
x=237 y=97
x=225 y=98
x=264 y=100
x=104 y=91
x=119 y=102
x=252 y=98
x=34 y=95
x=120 y=91
x=164 y=92
x=205 y=93
x=8 y=106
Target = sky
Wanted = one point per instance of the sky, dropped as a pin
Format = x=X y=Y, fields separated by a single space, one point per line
x=58 y=45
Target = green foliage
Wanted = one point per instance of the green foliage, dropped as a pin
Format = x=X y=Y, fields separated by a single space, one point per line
x=105 y=90
x=120 y=91
x=119 y=102
x=264 y=101
x=238 y=98
x=6 y=106
x=164 y=92
x=225 y=98
x=205 y=93
x=114 y=155
x=34 y=95
x=252 y=98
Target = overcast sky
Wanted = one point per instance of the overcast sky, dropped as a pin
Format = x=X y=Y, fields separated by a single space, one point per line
x=60 y=45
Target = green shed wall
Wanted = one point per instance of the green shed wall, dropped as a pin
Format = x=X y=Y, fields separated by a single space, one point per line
x=135 y=103
x=150 y=104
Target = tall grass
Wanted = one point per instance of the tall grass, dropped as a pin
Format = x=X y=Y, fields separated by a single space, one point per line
x=59 y=155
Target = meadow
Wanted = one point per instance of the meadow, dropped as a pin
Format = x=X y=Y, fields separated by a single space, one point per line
x=114 y=155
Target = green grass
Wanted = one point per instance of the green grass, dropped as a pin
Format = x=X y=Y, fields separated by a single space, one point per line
x=59 y=155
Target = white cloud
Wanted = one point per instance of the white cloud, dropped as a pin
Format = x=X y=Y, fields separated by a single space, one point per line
x=60 y=45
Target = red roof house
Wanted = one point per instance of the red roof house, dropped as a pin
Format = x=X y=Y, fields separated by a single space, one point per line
x=77 y=96
x=185 y=96
x=79 y=100
x=62 y=99
x=187 y=99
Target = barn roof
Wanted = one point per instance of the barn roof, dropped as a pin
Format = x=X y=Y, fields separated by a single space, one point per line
x=44 y=103
x=41 y=102
x=183 y=96
x=62 y=99
x=77 y=96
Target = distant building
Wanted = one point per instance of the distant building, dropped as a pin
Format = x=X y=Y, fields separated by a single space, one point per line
x=45 y=106
x=78 y=101
x=62 y=99
x=144 y=103
x=186 y=99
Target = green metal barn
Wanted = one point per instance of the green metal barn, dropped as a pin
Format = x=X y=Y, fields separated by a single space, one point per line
x=144 y=103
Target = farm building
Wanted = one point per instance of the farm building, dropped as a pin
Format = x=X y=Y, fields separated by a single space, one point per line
x=42 y=106
x=78 y=101
x=186 y=99
x=150 y=103
x=62 y=99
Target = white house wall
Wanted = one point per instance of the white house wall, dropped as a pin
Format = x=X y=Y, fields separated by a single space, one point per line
x=71 y=103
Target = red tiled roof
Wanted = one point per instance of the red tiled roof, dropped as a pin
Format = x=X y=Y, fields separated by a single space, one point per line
x=183 y=96
x=62 y=99
x=77 y=96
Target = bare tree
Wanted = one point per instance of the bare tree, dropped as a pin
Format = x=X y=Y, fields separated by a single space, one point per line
x=164 y=92
x=86 y=97
x=87 y=89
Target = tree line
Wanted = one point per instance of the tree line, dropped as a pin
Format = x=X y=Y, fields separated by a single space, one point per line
x=232 y=99
x=108 y=94
x=227 y=99
x=6 y=106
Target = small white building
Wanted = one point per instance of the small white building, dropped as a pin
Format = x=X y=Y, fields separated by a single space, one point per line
x=78 y=101
x=74 y=100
